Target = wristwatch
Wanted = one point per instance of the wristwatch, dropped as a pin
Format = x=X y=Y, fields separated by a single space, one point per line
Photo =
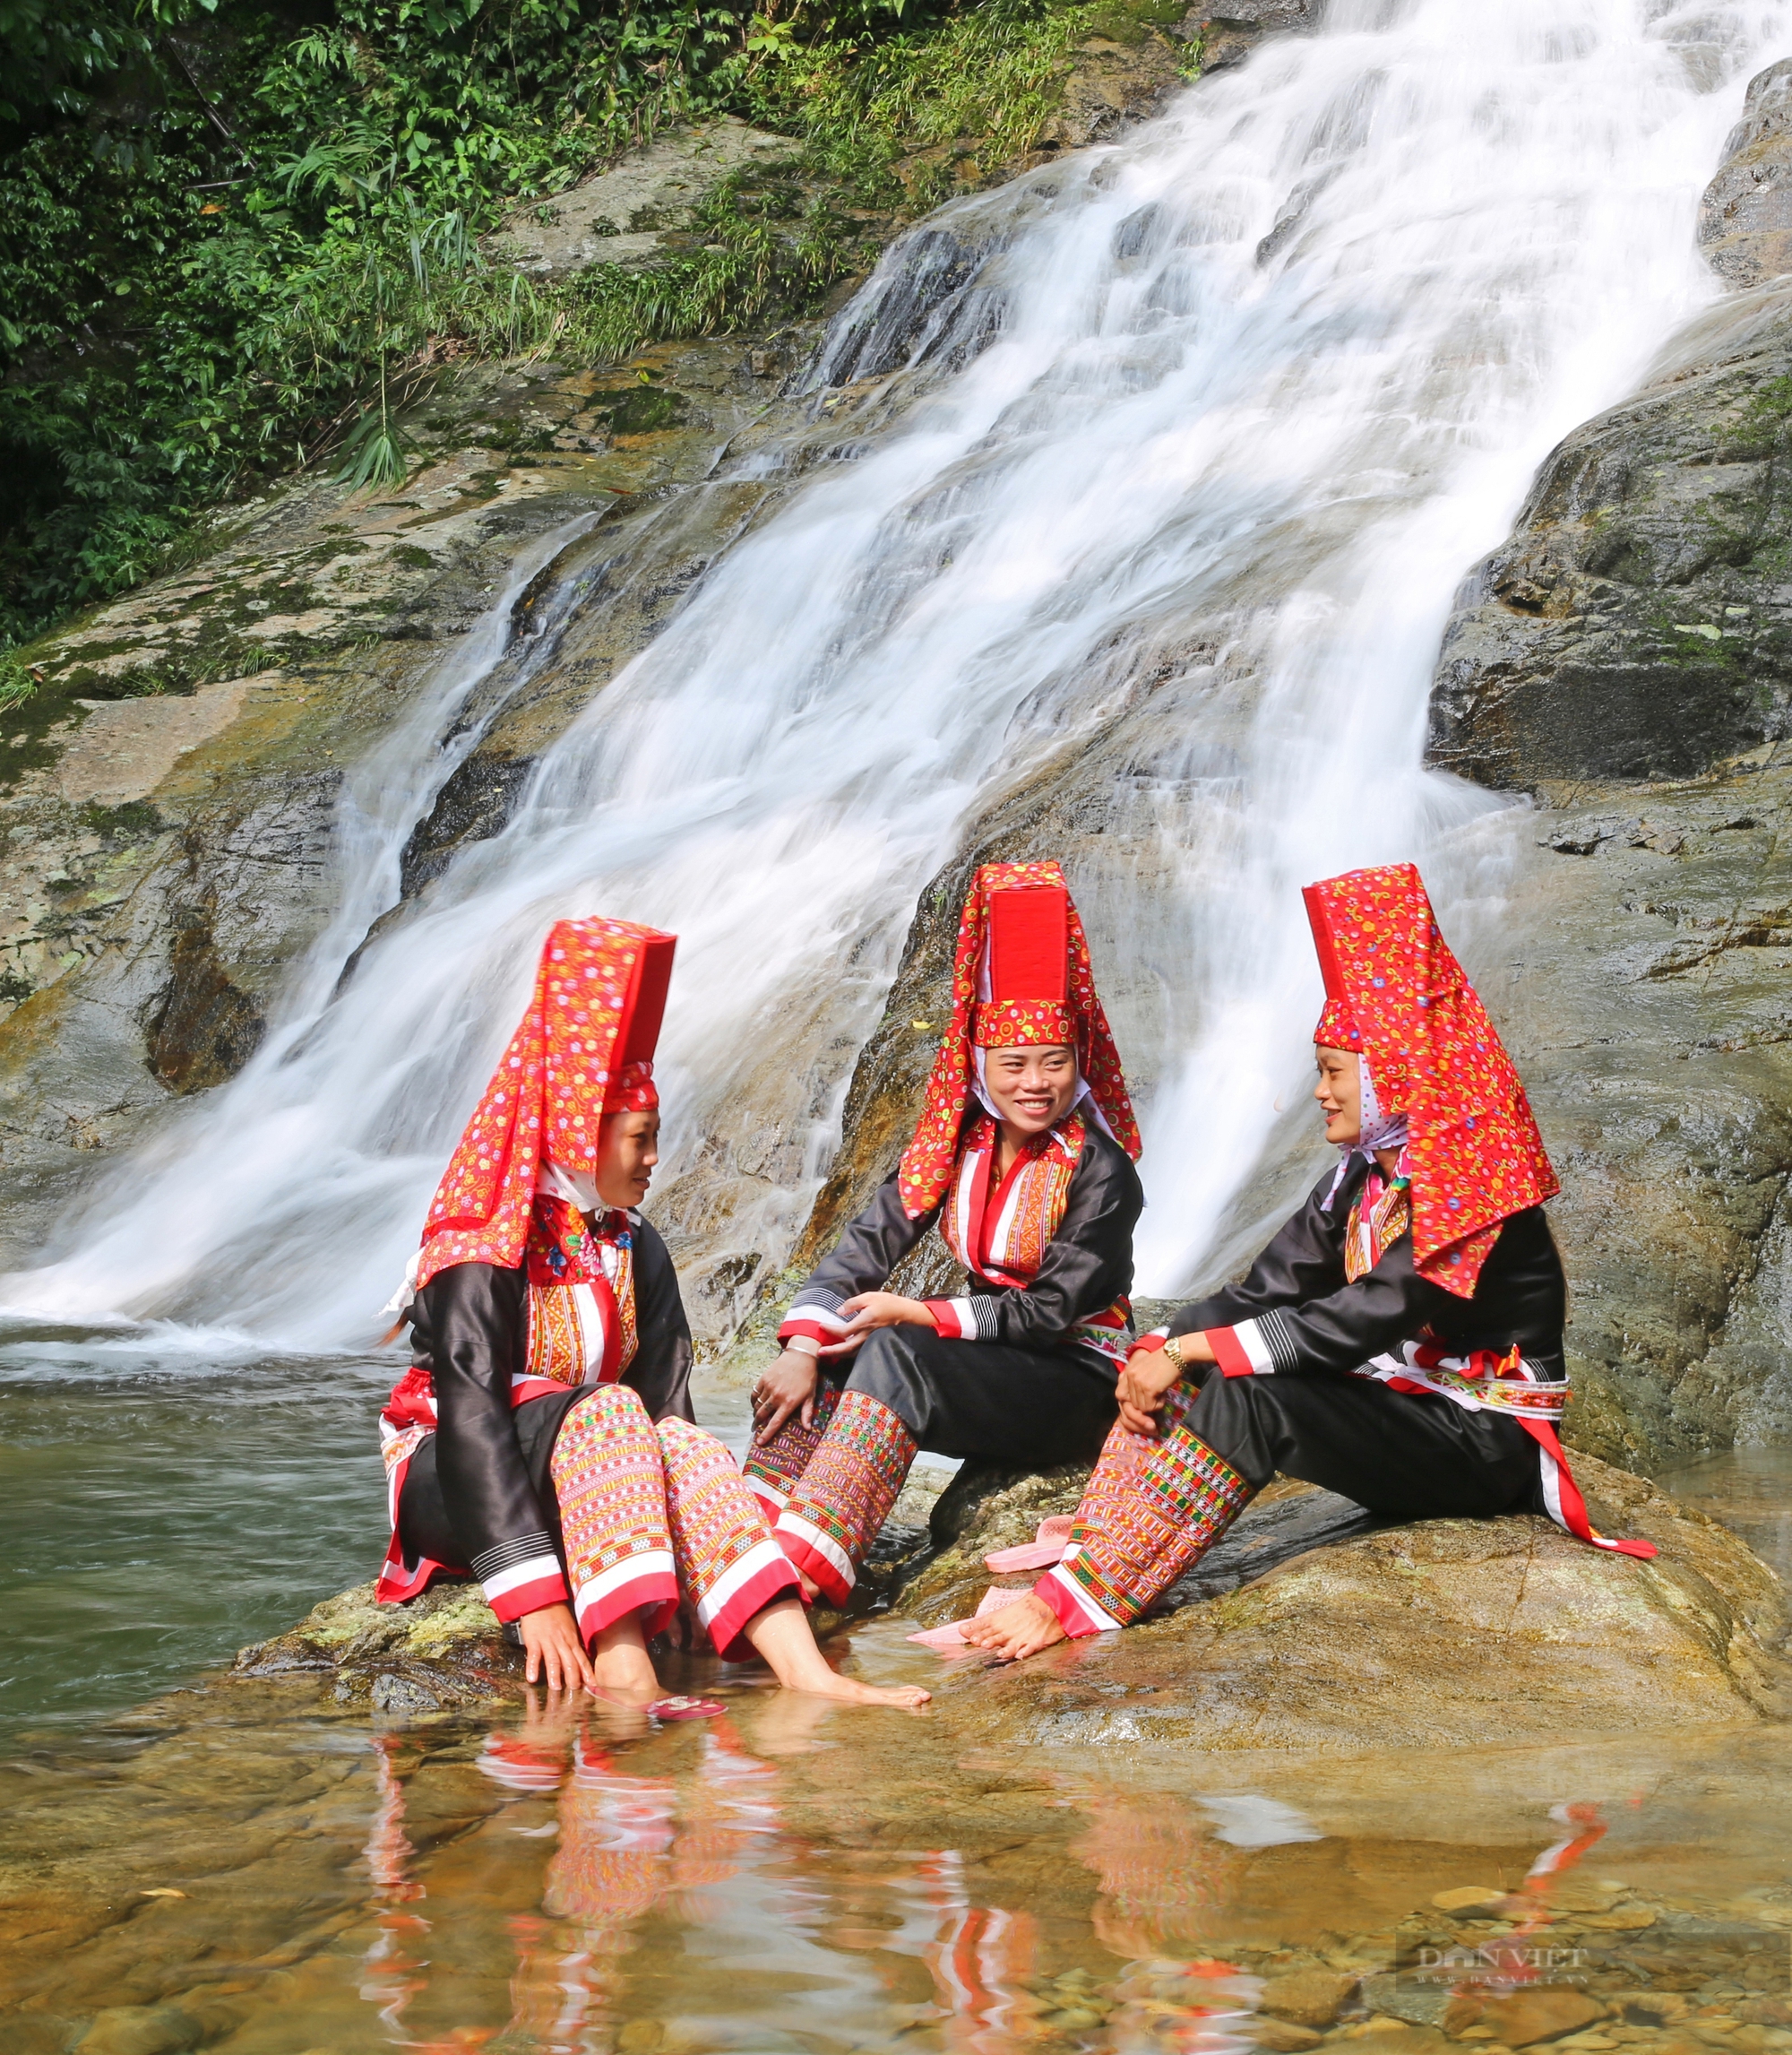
x=1173 y=1350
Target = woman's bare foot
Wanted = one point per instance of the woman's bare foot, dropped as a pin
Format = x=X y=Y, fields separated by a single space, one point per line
x=781 y=1635
x=622 y=1670
x=1017 y=1631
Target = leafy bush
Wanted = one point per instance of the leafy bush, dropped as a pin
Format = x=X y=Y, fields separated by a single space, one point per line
x=240 y=235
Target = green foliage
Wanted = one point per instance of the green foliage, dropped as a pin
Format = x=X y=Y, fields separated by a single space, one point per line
x=17 y=684
x=992 y=74
x=240 y=239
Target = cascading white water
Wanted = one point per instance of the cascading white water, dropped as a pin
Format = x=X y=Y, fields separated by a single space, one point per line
x=1265 y=380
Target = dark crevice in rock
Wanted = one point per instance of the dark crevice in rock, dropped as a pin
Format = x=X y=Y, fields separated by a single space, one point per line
x=204 y=1028
x=473 y=806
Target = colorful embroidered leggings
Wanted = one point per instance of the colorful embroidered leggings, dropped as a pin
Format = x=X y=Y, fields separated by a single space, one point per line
x=842 y=1494
x=773 y=1473
x=1151 y=1511
x=649 y=1511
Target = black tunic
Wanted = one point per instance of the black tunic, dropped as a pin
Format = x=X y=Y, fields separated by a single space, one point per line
x=477 y=1491
x=1404 y=1454
x=1087 y=1266
x=1021 y=1392
x=1311 y=1319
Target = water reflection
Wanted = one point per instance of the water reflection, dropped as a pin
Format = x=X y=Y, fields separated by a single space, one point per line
x=258 y=1871
x=255 y=1871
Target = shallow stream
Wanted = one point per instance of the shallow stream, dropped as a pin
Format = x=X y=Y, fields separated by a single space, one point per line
x=252 y=1868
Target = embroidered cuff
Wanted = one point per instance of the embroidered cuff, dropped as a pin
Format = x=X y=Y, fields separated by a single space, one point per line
x=1256 y=1348
x=816 y=1314
x=971 y=1319
x=1077 y=1613
x=520 y=1575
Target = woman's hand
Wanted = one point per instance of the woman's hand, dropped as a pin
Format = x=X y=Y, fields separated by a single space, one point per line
x=1148 y=1374
x=873 y=1309
x=557 y=1655
x=787 y=1387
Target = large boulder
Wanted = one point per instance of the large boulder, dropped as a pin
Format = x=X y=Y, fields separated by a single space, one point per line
x=1637 y=622
x=1312 y=1626
x=1416 y=1635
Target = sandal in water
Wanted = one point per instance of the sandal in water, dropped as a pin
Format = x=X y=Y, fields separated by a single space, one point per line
x=685 y=1708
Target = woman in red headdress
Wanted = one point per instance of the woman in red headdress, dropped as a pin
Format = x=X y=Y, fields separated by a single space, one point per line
x=1399 y=1341
x=544 y=1437
x=1023 y=1159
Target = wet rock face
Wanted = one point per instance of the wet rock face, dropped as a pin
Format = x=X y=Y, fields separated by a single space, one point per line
x=169 y=800
x=1417 y=1634
x=1637 y=621
x=1745 y=218
x=445 y=1649
x=1642 y=983
x=473 y=806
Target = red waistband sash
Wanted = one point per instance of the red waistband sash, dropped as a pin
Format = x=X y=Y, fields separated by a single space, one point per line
x=1485 y=1381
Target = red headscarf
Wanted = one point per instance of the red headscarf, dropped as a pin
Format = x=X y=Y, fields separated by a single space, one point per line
x=1395 y=993
x=584 y=1048
x=1021 y=976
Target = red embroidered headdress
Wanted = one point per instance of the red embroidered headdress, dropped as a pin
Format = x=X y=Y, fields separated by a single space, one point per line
x=1395 y=993
x=1021 y=976
x=584 y=1048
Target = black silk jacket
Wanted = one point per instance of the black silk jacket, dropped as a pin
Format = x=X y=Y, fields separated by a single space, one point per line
x=1088 y=1262
x=1309 y=1317
x=478 y=1492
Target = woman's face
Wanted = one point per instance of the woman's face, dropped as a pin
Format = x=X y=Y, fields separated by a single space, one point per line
x=1340 y=1093
x=1030 y=1088
x=628 y=1147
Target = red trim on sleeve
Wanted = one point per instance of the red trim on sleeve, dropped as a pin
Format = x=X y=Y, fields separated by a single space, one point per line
x=945 y=1317
x=1228 y=1352
x=531 y=1597
x=807 y=1331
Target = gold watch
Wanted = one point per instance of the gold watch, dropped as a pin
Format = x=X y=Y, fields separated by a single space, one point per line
x=1173 y=1350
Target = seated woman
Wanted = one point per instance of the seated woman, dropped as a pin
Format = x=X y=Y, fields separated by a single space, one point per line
x=1023 y=1157
x=544 y=1437
x=1399 y=1341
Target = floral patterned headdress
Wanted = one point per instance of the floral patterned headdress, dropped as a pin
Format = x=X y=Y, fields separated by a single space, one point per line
x=584 y=1048
x=1020 y=977
x=1395 y=994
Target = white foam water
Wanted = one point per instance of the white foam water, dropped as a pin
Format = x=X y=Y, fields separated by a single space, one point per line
x=1257 y=384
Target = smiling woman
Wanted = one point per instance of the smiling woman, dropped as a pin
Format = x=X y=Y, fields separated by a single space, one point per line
x=1399 y=1342
x=1023 y=1160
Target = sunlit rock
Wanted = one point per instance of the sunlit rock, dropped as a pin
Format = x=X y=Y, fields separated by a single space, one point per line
x=1415 y=1636
x=625 y=215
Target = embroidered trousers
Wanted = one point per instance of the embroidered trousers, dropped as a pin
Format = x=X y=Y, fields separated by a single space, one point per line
x=829 y=1488
x=646 y=1514
x=1154 y=1507
x=648 y=1511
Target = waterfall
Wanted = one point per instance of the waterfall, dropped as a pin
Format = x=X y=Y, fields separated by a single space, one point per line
x=1190 y=437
